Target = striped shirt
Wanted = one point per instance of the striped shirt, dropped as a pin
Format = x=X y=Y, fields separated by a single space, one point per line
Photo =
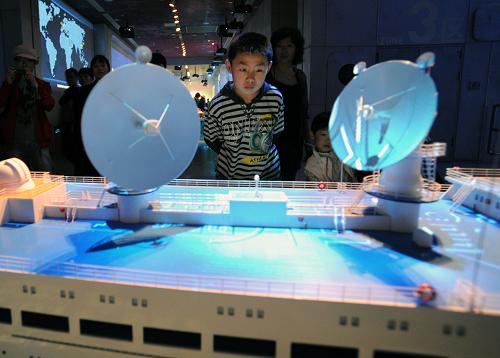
x=243 y=133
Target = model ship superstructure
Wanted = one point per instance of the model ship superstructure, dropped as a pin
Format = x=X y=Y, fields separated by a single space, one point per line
x=201 y=268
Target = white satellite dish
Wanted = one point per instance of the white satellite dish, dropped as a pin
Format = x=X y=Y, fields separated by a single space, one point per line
x=140 y=126
x=384 y=113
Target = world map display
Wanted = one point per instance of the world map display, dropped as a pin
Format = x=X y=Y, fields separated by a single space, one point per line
x=66 y=41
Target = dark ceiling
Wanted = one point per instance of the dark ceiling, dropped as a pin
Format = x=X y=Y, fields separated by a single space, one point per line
x=154 y=22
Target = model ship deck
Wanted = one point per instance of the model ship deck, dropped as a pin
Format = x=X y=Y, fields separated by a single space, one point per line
x=368 y=266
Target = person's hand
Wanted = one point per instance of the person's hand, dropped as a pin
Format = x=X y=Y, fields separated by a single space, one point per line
x=31 y=77
x=11 y=75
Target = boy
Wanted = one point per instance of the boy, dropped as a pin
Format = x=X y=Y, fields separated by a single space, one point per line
x=323 y=164
x=245 y=117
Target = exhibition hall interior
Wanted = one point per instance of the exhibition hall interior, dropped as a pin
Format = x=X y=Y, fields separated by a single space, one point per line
x=264 y=178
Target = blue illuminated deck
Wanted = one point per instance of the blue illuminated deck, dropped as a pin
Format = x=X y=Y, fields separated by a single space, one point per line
x=313 y=263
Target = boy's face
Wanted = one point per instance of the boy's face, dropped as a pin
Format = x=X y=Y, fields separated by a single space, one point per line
x=249 y=71
x=322 y=141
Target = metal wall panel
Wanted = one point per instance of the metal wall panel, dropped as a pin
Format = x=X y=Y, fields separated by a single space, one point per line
x=351 y=22
x=336 y=58
x=472 y=101
x=317 y=82
x=446 y=74
x=397 y=53
x=491 y=108
x=467 y=72
x=316 y=19
x=486 y=23
x=422 y=22
x=473 y=7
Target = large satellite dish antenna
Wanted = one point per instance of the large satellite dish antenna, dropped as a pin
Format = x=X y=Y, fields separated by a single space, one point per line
x=377 y=122
x=384 y=113
x=140 y=126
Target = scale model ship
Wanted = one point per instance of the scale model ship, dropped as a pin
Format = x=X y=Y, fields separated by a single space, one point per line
x=396 y=266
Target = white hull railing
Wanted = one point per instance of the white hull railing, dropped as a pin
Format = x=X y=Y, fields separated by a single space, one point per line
x=265 y=184
x=351 y=293
x=429 y=189
x=484 y=179
x=394 y=295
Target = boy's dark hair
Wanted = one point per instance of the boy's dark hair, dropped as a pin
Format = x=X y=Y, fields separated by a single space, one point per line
x=296 y=38
x=158 y=59
x=320 y=121
x=100 y=58
x=250 y=42
x=71 y=70
x=86 y=71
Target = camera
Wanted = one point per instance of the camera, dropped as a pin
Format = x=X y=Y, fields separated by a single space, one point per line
x=19 y=70
x=20 y=73
x=127 y=31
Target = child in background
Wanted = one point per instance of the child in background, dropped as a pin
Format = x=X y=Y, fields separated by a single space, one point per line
x=83 y=167
x=323 y=164
x=245 y=117
x=85 y=76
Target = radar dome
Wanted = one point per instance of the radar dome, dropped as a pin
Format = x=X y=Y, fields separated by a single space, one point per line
x=15 y=175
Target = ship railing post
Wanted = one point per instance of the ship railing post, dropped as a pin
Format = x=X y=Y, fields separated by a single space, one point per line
x=482 y=304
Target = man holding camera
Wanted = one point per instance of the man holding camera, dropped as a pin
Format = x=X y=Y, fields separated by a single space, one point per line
x=25 y=131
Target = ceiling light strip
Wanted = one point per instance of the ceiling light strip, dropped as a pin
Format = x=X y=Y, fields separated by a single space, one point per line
x=177 y=23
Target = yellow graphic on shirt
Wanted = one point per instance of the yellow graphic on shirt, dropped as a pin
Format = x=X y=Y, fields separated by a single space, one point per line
x=266 y=117
x=254 y=160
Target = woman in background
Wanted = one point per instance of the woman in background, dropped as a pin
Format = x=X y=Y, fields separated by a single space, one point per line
x=288 y=50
